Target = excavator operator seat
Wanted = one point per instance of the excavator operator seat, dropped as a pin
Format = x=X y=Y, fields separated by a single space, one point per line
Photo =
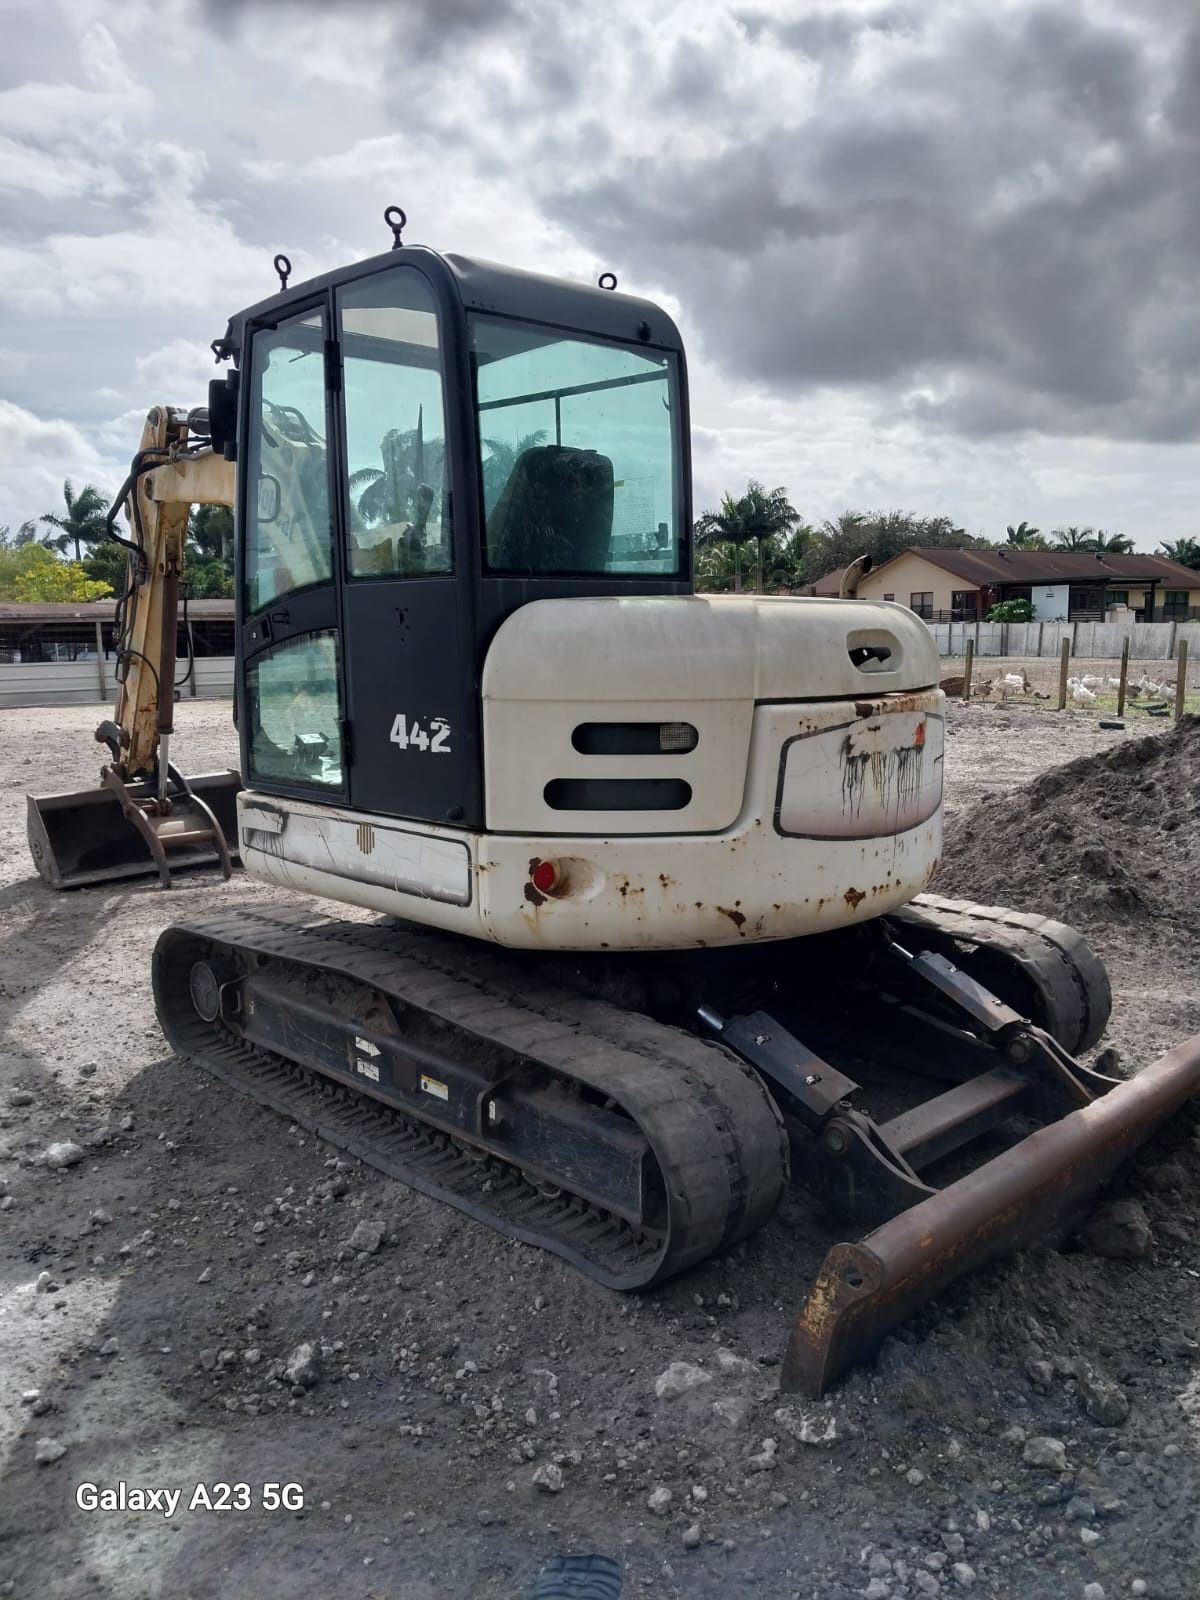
x=554 y=513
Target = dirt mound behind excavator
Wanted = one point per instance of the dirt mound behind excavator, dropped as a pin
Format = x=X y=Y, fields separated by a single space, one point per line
x=1109 y=838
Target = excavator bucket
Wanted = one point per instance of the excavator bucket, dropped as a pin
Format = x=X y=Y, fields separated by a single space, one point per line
x=123 y=831
x=1032 y=1193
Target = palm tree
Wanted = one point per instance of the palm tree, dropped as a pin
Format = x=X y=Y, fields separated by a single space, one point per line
x=1074 y=538
x=210 y=528
x=1024 y=537
x=1185 y=551
x=84 y=522
x=501 y=459
x=1112 y=544
x=758 y=514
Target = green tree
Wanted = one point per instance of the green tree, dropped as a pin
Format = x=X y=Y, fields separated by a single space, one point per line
x=1185 y=551
x=759 y=514
x=1074 y=538
x=881 y=535
x=84 y=523
x=1025 y=537
x=33 y=572
x=1011 y=611
x=784 y=559
x=716 y=567
x=25 y=534
x=206 y=580
x=108 y=562
x=210 y=530
x=1113 y=544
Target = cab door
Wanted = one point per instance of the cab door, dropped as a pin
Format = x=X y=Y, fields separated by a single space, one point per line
x=408 y=673
x=293 y=724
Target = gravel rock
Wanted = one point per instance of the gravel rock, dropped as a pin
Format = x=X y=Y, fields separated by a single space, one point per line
x=659 y=1500
x=66 y=1153
x=368 y=1236
x=1080 y=1509
x=21 y=1097
x=877 y=1589
x=734 y=1410
x=1119 y=1231
x=1103 y=1401
x=48 y=1450
x=304 y=1365
x=808 y=1427
x=691 y=1536
x=764 y=1460
x=549 y=1479
x=1093 y=1591
x=1045 y=1452
x=964 y=1574
x=680 y=1378
x=927 y=1583
x=44 y=1284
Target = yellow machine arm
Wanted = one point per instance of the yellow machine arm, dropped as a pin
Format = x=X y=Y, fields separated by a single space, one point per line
x=146 y=816
x=168 y=477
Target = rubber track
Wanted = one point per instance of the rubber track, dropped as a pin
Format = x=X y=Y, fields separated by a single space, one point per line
x=714 y=1130
x=1066 y=973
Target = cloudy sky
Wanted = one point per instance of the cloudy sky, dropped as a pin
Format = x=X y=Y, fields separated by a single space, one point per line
x=930 y=256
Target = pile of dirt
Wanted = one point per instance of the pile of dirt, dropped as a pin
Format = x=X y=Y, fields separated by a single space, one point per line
x=1109 y=838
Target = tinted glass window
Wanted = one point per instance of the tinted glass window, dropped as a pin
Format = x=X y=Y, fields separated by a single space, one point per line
x=579 y=453
x=288 y=539
x=398 y=494
x=295 y=716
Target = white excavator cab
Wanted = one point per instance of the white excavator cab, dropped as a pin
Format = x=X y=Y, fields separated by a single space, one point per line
x=475 y=686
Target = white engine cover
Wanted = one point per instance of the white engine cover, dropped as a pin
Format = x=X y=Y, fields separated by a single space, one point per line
x=815 y=783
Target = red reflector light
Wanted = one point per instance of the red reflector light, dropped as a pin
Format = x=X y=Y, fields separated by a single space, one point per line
x=544 y=877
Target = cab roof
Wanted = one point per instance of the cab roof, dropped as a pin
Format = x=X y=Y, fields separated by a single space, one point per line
x=483 y=286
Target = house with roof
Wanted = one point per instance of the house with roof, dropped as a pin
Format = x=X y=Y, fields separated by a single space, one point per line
x=1062 y=585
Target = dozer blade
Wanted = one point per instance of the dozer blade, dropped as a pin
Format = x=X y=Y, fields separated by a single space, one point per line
x=90 y=837
x=1029 y=1195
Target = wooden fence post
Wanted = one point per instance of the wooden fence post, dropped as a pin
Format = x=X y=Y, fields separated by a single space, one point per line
x=1124 y=677
x=1064 y=667
x=1181 y=679
x=100 y=660
x=970 y=662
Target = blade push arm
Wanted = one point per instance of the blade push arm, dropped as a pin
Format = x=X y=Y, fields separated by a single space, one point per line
x=168 y=476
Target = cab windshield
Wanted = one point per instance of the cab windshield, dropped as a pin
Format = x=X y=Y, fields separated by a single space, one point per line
x=578 y=453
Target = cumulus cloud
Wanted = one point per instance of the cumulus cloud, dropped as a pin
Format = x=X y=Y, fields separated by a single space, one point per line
x=941 y=256
x=994 y=207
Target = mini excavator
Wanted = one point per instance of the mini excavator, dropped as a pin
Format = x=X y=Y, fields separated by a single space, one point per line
x=650 y=865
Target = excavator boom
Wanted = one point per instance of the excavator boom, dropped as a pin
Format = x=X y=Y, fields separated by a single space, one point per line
x=145 y=816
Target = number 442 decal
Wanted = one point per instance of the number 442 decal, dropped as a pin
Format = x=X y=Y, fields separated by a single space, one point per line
x=410 y=735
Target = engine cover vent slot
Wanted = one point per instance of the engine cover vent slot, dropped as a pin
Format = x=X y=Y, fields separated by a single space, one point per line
x=617 y=794
x=634 y=738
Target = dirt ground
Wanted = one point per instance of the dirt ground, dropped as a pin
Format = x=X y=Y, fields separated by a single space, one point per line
x=152 y=1293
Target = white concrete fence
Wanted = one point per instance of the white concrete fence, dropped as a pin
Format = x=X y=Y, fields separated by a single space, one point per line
x=1094 y=641
x=89 y=681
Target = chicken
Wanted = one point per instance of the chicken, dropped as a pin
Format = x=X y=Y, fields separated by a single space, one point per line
x=1082 y=695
